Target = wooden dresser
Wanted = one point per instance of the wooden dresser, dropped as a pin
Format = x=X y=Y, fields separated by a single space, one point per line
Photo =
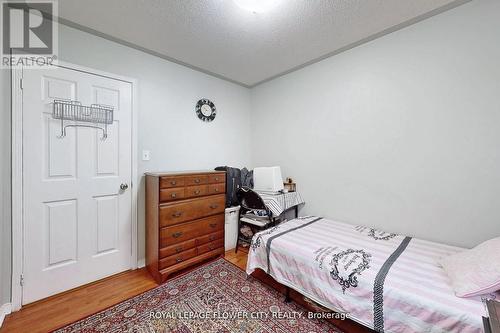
x=184 y=220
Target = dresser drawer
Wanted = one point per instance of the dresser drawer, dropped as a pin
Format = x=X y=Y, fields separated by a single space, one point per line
x=177 y=258
x=171 y=194
x=209 y=238
x=210 y=246
x=177 y=248
x=217 y=178
x=216 y=188
x=165 y=273
x=168 y=182
x=187 y=210
x=196 y=180
x=186 y=231
x=211 y=226
x=196 y=191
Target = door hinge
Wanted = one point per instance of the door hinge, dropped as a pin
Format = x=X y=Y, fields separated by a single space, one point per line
x=21 y=280
x=21 y=83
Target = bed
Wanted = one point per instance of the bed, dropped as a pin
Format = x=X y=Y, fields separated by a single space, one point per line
x=384 y=281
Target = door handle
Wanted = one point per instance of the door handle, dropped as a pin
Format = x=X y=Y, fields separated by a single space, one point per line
x=123 y=186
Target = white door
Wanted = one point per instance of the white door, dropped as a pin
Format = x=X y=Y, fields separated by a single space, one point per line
x=77 y=220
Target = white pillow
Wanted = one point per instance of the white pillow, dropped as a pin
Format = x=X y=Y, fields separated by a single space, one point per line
x=476 y=271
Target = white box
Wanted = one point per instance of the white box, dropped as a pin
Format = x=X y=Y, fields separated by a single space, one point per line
x=268 y=179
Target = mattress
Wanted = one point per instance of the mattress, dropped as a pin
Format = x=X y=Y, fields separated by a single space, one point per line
x=385 y=281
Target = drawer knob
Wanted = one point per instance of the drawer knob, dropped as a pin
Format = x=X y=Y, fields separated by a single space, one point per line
x=177 y=234
x=213 y=225
x=178 y=259
x=216 y=178
x=213 y=206
x=178 y=249
x=197 y=180
x=211 y=247
x=178 y=214
x=211 y=238
x=216 y=190
x=197 y=192
x=173 y=182
x=174 y=195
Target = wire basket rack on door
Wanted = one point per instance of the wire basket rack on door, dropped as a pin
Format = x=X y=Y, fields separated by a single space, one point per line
x=93 y=114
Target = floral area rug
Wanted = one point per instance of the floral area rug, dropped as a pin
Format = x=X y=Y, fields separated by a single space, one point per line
x=216 y=297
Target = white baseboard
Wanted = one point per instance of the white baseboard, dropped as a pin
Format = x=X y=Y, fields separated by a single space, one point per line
x=5 y=309
x=141 y=263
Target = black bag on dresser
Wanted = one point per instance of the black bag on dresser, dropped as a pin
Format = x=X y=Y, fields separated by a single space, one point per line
x=233 y=183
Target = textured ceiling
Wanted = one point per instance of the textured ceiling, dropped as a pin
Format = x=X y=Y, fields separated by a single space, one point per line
x=218 y=37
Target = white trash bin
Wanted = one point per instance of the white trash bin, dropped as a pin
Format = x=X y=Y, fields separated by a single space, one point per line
x=231 y=227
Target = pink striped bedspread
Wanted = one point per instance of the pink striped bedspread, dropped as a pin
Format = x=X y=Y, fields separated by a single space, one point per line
x=387 y=282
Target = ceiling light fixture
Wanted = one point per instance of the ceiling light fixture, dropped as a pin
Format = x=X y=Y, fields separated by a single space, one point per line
x=257 y=6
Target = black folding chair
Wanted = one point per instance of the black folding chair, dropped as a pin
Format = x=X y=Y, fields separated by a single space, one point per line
x=251 y=202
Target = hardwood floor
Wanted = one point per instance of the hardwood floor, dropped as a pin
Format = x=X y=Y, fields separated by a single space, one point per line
x=239 y=259
x=62 y=309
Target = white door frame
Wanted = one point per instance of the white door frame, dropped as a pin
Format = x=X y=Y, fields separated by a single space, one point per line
x=17 y=173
